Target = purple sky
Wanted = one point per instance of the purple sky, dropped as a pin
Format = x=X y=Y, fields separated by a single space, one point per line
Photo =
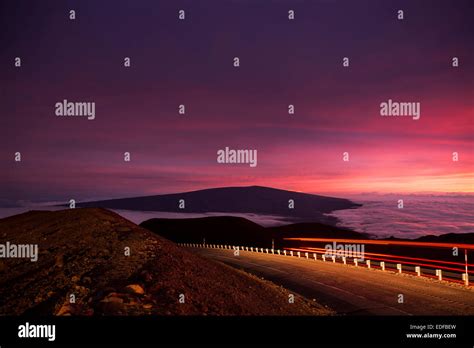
x=190 y=62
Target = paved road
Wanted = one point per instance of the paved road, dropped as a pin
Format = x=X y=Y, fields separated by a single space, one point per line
x=352 y=290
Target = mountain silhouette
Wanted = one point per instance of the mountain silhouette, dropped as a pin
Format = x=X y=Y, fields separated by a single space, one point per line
x=240 y=231
x=250 y=199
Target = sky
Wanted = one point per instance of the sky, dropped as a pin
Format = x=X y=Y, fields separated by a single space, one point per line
x=190 y=62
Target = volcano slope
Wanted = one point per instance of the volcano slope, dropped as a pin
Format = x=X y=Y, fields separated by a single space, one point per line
x=92 y=261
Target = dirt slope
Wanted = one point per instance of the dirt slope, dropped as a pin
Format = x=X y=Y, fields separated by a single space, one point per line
x=82 y=252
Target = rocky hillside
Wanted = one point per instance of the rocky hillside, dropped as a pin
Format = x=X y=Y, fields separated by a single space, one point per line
x=94 y=262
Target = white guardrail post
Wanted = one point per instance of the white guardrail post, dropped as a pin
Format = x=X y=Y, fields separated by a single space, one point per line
x=438 y=272
x=418 y=271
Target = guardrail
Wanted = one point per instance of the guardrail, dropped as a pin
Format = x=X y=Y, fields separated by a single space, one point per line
x=320 y=254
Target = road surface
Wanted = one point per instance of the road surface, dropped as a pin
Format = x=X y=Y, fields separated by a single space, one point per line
x=352 y=290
